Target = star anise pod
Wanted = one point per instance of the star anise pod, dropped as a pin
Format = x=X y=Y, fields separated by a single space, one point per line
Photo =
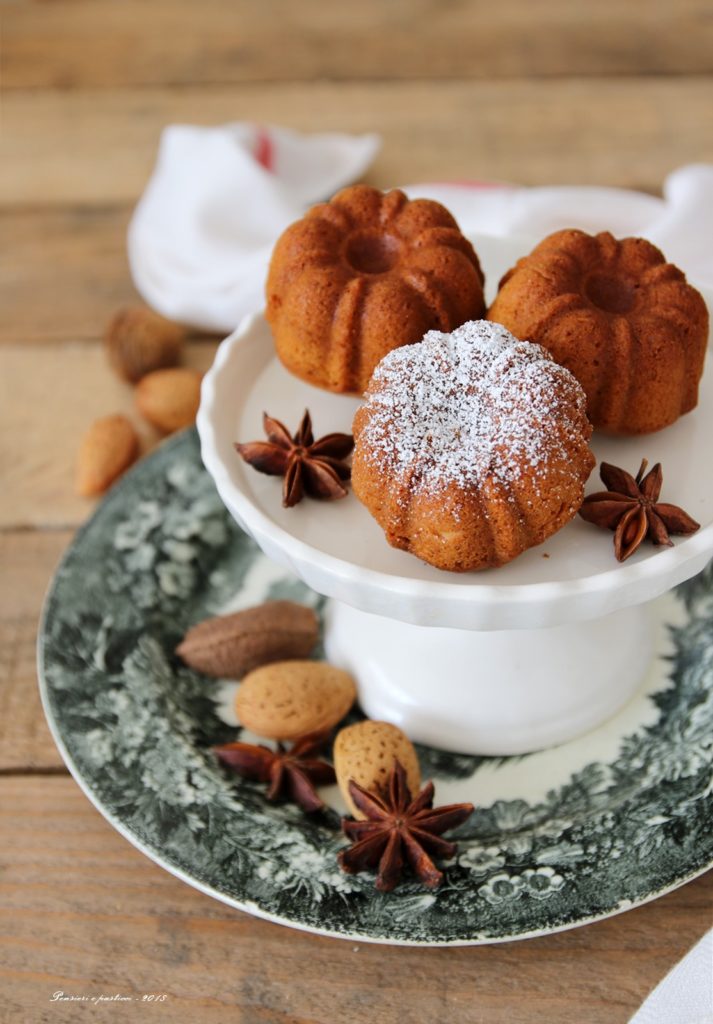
x=630 y=506
x=398 y=829
x=308 y=466
x=292 y=774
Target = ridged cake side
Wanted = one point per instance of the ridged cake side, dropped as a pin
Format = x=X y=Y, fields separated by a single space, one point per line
x=622 y=319
x=363 y=274
x=471 y=447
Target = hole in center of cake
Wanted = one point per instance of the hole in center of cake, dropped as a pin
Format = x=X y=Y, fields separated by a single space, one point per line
x=372 y=254
x=610 y=293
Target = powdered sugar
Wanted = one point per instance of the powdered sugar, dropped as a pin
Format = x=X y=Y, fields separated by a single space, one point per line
x=459 y=408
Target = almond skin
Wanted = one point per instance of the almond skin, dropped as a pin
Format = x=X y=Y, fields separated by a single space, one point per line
x=231 y=645
x=365 y=752
x=169 y=399
x=108 y=448
x=290 y=699
x=139 y=341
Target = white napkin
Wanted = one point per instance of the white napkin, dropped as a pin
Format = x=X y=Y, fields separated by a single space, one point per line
x=201 y=236
x=685 y=996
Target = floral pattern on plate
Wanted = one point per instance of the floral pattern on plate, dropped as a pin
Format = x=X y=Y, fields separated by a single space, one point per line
x=606 y=832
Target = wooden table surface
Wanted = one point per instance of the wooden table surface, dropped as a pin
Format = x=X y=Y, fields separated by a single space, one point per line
x=609 y=93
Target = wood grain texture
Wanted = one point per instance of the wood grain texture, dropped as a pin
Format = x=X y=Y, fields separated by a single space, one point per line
x=609 y=93
x=98 y=146
x=85 y=913
x=70 y=43
x=49 y=396
x=63 y=272
x=27 y=561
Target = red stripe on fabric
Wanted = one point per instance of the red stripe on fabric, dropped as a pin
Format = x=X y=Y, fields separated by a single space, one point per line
x=264 y=151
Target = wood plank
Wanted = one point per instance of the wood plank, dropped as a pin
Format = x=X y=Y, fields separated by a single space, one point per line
x=72 y=256
x=27 y=561
x=75 y=259
x=612 y=131
x=84 y=913
x=49 y=396
x=71 y=43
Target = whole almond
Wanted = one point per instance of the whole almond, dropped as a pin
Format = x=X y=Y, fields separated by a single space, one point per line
x=108 y=448
x=290 y=699
x=139 y=341
x=231 y=645
x=366 y=751
x=169 y=399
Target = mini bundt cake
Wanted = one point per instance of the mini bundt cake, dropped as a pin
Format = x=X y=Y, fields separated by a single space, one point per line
x=362 y=275
x=624 y=321
x=471 y=447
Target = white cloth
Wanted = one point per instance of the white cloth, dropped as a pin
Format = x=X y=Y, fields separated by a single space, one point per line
x=685 y=996
x=201 y=236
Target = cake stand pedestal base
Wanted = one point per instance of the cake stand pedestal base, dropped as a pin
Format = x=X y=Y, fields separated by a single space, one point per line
x=492 y=692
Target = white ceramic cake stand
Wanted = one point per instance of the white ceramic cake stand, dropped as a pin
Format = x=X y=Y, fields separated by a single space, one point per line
x=498 y=662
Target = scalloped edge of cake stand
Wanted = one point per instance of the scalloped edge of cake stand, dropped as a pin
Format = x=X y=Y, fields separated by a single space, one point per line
x=482 y=668
x=476 y=606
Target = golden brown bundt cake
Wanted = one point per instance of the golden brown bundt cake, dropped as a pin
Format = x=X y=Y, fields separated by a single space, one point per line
x=471 y=447
x=363 y=274
x=624 y=321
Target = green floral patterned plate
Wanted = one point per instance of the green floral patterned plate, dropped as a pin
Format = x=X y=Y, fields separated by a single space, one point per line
x=559 y=838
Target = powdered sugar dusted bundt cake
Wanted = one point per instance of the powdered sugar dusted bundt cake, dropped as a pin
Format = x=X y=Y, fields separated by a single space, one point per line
x=363 y=274
x=471 y=447
x=622 y=319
